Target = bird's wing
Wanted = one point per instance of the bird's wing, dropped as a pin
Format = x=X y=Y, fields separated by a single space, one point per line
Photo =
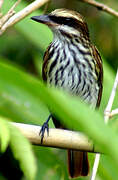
x=45 y=63
x=99 y=70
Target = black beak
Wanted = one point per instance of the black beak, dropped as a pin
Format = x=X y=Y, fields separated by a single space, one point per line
x=42 y=19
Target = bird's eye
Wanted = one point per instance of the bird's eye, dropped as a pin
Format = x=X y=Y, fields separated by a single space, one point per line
x=67 y=19
x=64 y=20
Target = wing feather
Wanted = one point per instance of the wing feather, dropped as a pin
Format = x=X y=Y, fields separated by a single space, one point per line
x=99 y=70
x=45 y=63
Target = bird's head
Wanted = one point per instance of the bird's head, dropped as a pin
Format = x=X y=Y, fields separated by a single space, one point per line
x=66 y=22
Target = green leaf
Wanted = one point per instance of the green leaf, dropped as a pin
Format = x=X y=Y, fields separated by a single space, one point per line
x=50 y=163
x=18 y=100
x=4 y=134
x=22 y=151
x=70 y=110
x=20 y=146
x=107 y=170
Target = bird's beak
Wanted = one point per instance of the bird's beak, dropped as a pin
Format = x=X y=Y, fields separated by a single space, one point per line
x=42 y=19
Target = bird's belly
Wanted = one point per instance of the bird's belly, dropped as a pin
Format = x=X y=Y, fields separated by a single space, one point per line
x=76 y=82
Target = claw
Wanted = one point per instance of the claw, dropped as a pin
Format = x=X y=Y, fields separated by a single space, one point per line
x=44 y=127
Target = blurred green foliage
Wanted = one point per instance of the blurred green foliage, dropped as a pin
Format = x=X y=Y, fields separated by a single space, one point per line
x=24 y=98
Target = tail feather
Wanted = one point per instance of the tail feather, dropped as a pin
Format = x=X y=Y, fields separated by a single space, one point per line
x=77 y=163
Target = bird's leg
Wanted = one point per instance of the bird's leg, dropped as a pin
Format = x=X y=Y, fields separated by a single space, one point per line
x=44 y=127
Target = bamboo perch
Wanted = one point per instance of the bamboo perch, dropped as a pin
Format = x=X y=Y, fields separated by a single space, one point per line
x=57 y=138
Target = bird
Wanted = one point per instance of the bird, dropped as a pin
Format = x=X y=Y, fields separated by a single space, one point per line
x=72 y=63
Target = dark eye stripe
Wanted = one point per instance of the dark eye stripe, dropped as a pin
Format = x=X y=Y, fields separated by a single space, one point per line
x=64 y=20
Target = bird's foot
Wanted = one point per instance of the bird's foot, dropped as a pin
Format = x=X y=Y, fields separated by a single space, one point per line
x=44 y=127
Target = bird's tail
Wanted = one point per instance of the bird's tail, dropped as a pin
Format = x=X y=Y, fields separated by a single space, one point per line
x=78 y=164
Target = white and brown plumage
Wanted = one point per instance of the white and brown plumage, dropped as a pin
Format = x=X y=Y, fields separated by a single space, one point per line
x=73 y=64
